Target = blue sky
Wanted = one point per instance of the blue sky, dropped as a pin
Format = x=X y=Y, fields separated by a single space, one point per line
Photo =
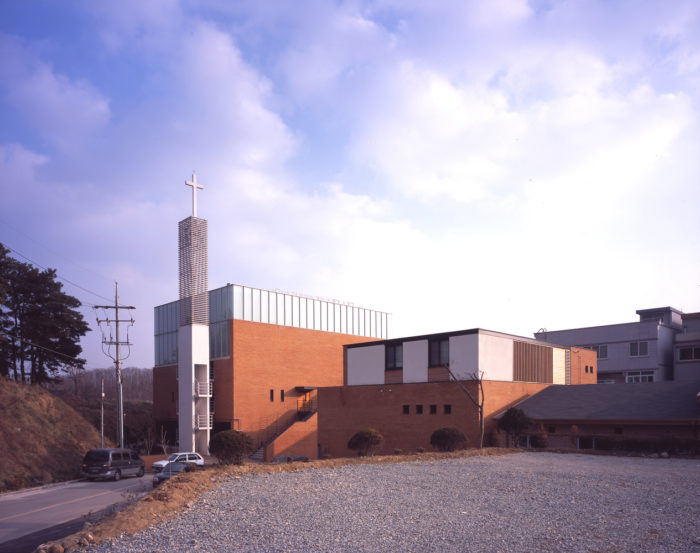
x=507 y=164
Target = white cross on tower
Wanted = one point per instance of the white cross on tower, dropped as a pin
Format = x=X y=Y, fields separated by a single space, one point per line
x=195 y=185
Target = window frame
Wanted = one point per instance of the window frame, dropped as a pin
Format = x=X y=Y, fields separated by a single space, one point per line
x=438 y=352
x=694 y=354
x=639 y=377
x=635 y=348
x=390 y=357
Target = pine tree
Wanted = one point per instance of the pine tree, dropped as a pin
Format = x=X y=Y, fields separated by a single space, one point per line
x=39 y=322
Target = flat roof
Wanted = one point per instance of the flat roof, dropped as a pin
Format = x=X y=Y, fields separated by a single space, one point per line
x=466 y=332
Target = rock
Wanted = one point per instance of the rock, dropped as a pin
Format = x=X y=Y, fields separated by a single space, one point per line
x=56 y=548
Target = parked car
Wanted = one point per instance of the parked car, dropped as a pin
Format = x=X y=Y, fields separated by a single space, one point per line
x=170 y=470
x=182 y=457
x=112 y=463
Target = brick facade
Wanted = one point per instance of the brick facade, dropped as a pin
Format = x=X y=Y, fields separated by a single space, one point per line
x=344 y=410
x=256 y=389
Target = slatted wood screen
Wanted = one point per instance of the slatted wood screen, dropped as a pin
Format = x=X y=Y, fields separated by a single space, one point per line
x=532 y=362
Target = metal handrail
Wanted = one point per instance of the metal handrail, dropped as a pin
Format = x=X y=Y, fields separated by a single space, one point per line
x=203 y=389
x=205 y=421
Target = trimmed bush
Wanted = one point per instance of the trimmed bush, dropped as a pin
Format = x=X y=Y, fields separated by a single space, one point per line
x=230 y=447
x=448 y=439
x=514 y=423
x=366 y=442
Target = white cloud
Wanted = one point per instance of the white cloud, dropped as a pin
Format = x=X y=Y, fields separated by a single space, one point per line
x=65 y=112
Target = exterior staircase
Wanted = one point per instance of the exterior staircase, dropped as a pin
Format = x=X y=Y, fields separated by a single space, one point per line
x=258 y=455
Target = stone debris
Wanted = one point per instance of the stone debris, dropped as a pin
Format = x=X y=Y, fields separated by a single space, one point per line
x=543 y=502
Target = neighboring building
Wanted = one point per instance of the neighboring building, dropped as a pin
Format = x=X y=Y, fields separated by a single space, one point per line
x=645 y=351
x=269 y=352
x=686 y=354
x=403 y=388
x=663 y=417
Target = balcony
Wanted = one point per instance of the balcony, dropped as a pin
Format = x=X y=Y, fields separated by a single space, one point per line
x=204 y=422
x=203 y=389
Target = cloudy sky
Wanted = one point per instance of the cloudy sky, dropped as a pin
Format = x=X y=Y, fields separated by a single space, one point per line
x=509 y=165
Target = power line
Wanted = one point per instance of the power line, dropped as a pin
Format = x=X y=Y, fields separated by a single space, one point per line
x=54 y=252
x=57 y=275
x=24 y=341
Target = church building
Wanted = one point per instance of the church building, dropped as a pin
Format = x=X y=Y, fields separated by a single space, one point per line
x=246 y=358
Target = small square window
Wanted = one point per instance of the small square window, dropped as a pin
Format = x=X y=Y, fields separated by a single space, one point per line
x=406 y=409
x=433 y=409
x=419 y=409
x=447 y=409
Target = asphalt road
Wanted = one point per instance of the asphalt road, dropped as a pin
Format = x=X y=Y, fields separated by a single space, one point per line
x=29 y=515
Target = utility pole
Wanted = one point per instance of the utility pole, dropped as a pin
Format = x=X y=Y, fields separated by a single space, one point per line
x=102 y=412
x=117 y=343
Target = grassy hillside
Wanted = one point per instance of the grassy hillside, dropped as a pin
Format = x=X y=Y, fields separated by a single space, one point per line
x=43 y=439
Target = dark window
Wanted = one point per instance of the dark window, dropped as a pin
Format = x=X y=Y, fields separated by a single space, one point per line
x=586 y=368
x=448 y=409
x=116 y=456
x=282 y=396
x=438 y=353
x=639 y=349
x=173 y=396
x=406 y=409
x=272 y=395
x=688 y=354
x=591 y=370
x=551 y=429
x=618 y=430
x=211 y=370
x=419 y=409
x=134 y=457
x=433 y=409
x=394 y=357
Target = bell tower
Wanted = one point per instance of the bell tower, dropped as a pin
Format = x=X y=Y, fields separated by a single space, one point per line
x=194 y=386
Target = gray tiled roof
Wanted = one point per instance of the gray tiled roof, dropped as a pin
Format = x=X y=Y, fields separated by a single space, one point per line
x=649 y=401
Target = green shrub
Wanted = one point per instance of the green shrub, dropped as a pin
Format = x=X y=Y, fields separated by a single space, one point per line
x=448 y=439
x=230 y=447
x=366 y=442
x=514 y=423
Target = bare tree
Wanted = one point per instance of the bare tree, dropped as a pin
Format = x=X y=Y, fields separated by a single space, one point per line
x=478 y=378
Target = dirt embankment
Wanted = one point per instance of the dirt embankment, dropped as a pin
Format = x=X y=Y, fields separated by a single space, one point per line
x=43 y=439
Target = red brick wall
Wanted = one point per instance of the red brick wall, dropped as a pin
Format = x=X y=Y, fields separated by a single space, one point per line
x=346 y=410
x=562 y=435
x=299 y=439
x=165 y=393
x=223 y=391
x=580 y=359
x=271 y=357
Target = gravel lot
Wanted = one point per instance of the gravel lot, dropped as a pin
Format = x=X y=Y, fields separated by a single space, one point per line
x=514 y=503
